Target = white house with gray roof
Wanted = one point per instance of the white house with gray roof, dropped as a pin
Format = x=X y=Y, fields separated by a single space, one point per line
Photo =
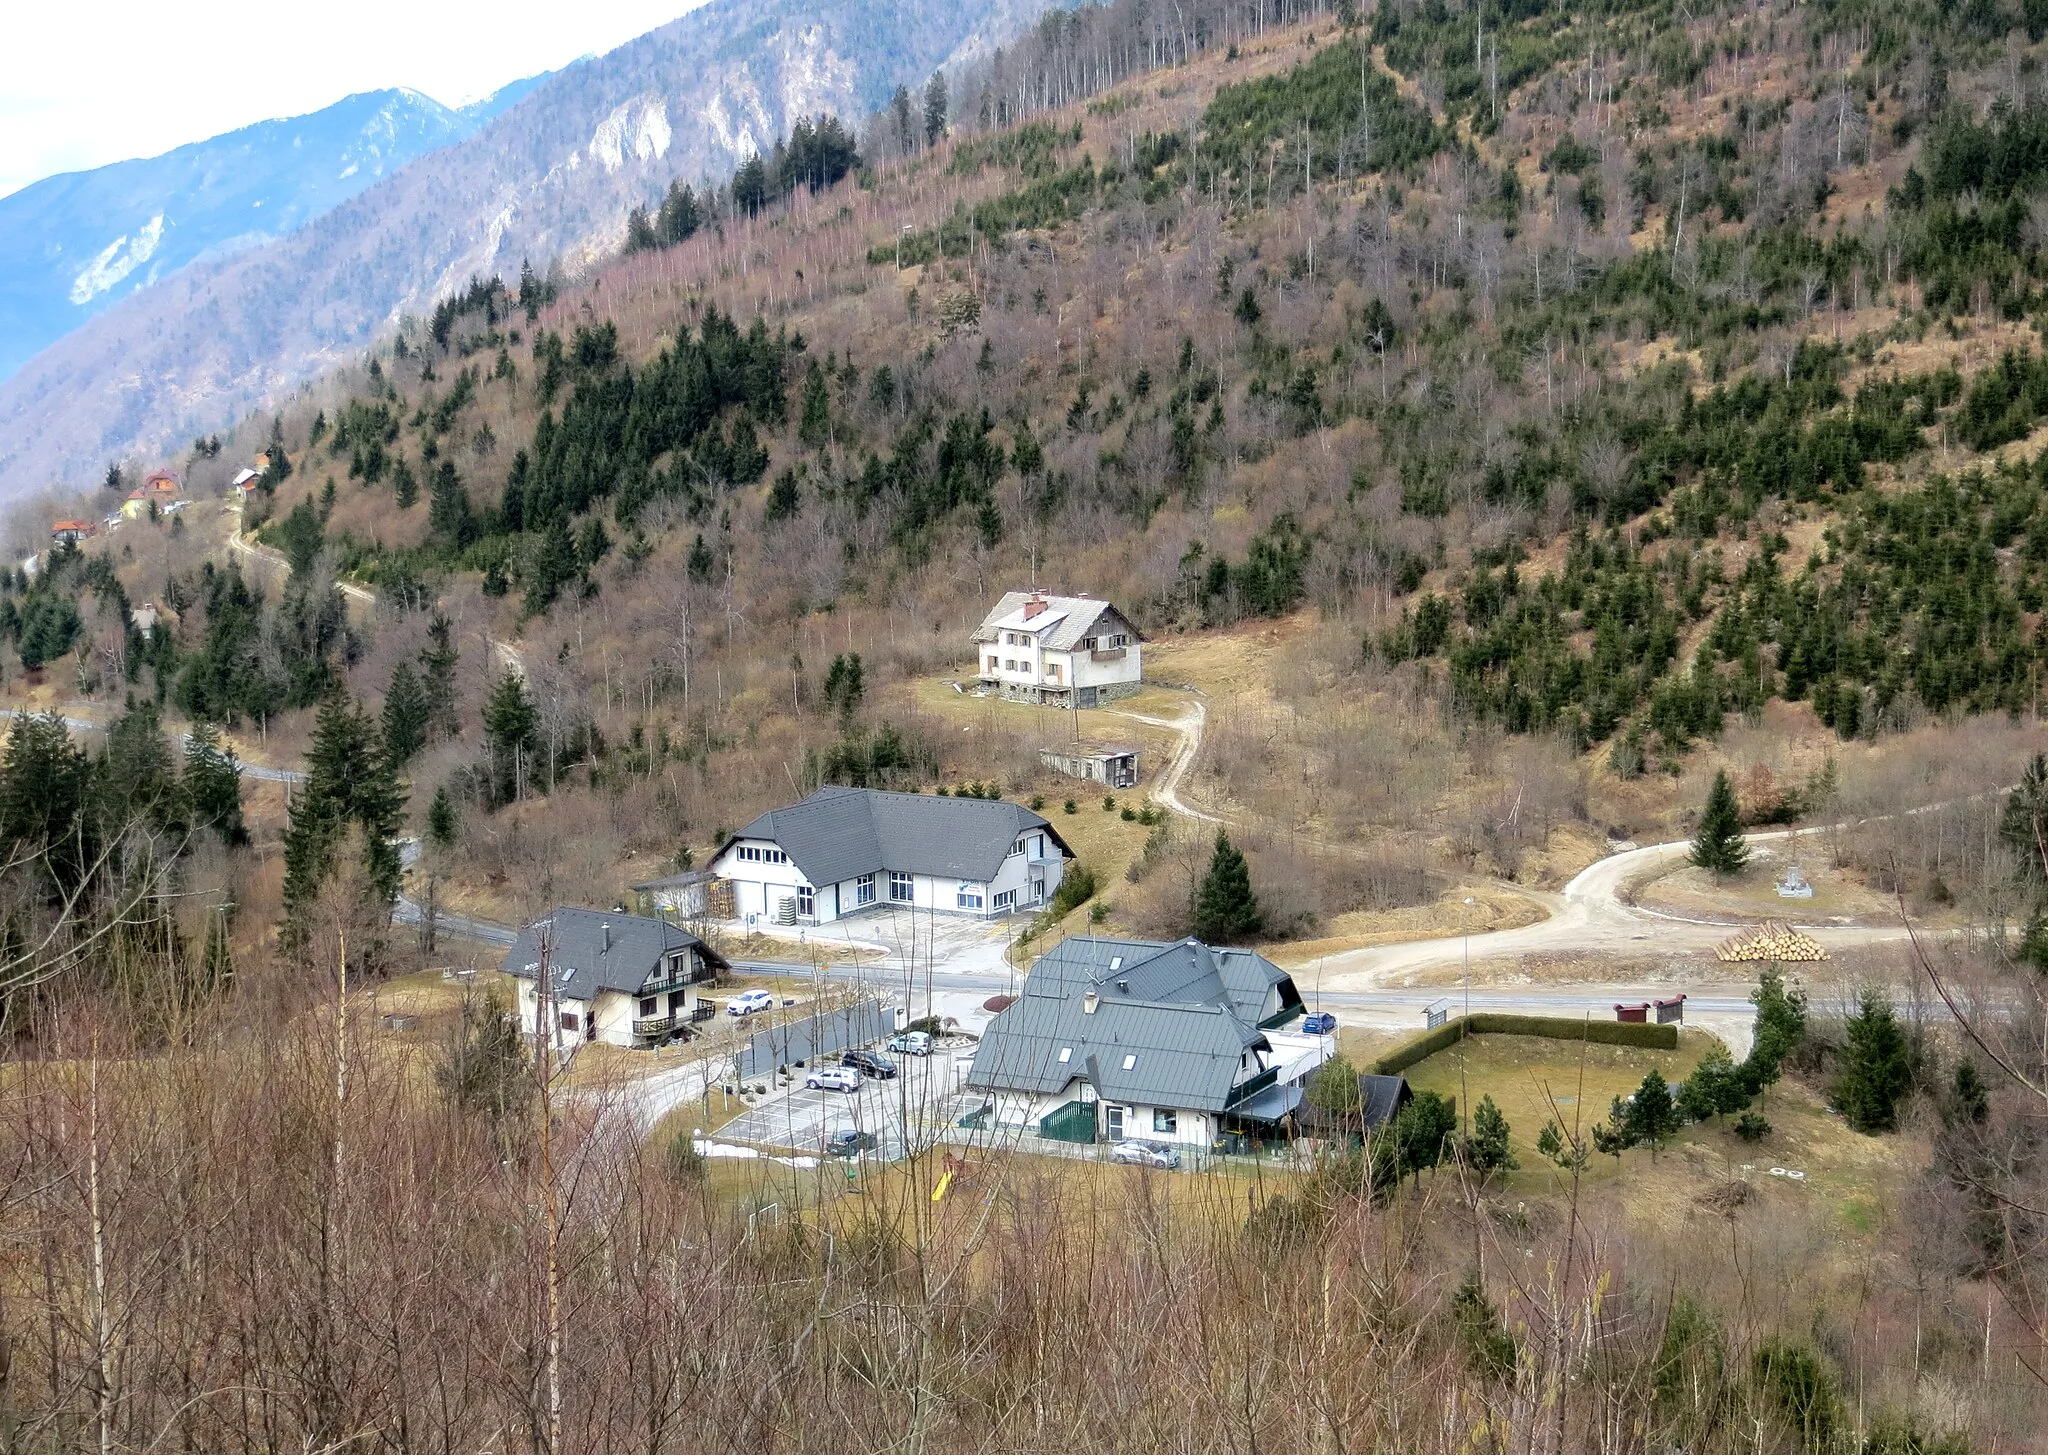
x=619 y=978
x=1172 y=1042
x=1062 y=651
x=847 y=851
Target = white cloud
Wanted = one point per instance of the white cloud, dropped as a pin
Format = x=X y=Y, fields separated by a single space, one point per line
x=145 y=76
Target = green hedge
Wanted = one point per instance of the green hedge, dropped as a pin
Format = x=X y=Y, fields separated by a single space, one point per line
x=1556 y=1028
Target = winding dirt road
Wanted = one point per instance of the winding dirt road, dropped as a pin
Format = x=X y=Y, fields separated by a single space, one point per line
x=1592 y=918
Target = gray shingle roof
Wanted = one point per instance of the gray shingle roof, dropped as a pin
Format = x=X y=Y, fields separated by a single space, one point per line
x=592 y=950
x=1185 y=1023
x=1076 y=617
x=842 y=833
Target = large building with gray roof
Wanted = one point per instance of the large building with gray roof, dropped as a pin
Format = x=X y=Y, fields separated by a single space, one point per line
x=1169 y=1041
x=848 y=851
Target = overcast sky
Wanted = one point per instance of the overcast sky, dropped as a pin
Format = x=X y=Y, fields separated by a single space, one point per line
x=83 y=85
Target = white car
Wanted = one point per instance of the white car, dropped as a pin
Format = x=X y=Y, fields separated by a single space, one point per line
x=750 y=1002
x=1145 y=1154
x=833 y=1078
x=911 y=1043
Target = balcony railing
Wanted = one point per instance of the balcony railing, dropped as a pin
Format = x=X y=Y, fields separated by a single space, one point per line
x=1245 y=1090
x=648 y=1028
x=1107 y=654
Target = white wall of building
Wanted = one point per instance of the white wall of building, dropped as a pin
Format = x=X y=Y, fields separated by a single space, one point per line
x=614 y=1013
x=759 y=885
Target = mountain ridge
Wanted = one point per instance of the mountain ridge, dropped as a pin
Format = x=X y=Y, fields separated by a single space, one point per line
x=76 y=243
x=552 y=176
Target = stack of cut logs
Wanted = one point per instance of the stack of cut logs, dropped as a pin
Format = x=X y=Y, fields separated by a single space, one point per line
x=1772 y=940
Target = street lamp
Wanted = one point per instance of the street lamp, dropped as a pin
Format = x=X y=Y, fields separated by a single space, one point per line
x=1468 y=957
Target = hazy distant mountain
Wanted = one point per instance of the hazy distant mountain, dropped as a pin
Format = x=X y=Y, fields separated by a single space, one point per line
x=552 y=177
x=73 y=245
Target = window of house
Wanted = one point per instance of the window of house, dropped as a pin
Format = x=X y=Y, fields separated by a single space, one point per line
x=1088 y=644
x=902 y=888
x=571 y=1021
x=806 y=901
x=1119 y=640
x=1164 y=1120
x=1010 y=665
x=992 y=664
x=1052 y=671
x=647 y=1007
x=1066 y=1054
x=1116 y=962
x=1130 y=1062
x=864 y=889
x=968 y=896
x=1006 y=901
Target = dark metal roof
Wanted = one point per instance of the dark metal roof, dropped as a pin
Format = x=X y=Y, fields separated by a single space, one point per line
x=1382 y=1097
x=592 y=950
x=842 y=833
x=1184 y=1015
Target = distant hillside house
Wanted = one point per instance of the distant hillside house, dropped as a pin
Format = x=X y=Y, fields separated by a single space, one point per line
x=619 y=978
x=246 y=480
x=1169 y=1042
x=71 y=532
x=1061 y=651
x=844 y=851
x=136 y=506
x=161 y=485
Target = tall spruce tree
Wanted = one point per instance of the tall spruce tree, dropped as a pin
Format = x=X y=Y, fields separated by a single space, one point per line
x=213 y=785
x=1226 y=910
x=1877 y=1067
x=1718 y=845
x=349 y=782
x=406 y=714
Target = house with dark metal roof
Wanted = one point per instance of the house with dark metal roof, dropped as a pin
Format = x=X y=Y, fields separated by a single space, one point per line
x=619 y=978
x=846 y=851
x=1060 y=651
x=1169 y=1041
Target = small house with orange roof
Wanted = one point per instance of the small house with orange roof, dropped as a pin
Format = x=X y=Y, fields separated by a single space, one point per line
x=161 y=485
x=71 y=532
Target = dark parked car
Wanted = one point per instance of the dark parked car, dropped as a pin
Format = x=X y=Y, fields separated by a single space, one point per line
x=1322 y=1023
x=850 y=1143
x=870 y=1063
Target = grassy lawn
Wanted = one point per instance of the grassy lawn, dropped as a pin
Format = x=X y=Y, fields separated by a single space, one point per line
x=1516 y=1070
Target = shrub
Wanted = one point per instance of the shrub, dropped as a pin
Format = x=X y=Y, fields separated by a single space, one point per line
x=1070 y=806
x=1752 y=1127
x=1098 y=913
x=685 y=1162
x=1076 y=889
x=1108 y=802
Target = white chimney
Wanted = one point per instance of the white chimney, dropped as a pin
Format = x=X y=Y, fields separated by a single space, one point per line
x=607 y=937
x=1089 y=1002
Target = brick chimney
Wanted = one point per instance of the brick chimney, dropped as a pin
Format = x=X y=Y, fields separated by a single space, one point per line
x=1032 y=607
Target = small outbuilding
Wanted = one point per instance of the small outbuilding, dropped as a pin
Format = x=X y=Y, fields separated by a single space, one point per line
x=1112 y=767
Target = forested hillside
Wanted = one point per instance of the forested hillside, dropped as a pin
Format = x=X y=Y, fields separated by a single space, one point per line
x=1502 y=421
x=1608 y=375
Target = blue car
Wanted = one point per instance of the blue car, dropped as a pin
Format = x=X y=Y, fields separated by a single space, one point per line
x=1322 y=1023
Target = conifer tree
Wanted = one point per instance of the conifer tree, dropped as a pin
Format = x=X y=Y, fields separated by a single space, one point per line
x=1487 y=1149
x=437 y=678
x=510 y=724
x=349 y=783
x=441 y=819
x=814 y=426
x=1877 y=1069
x=406 y=714
x=1226 y=910
x=1650 y=1116
x=934 y=108
x=1718 y=846
x=213 y=785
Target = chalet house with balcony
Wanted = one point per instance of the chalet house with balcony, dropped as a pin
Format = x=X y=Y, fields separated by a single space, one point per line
x=1176 y=1042
x=618 y=978
x=847 y=851
x=1059 y=651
